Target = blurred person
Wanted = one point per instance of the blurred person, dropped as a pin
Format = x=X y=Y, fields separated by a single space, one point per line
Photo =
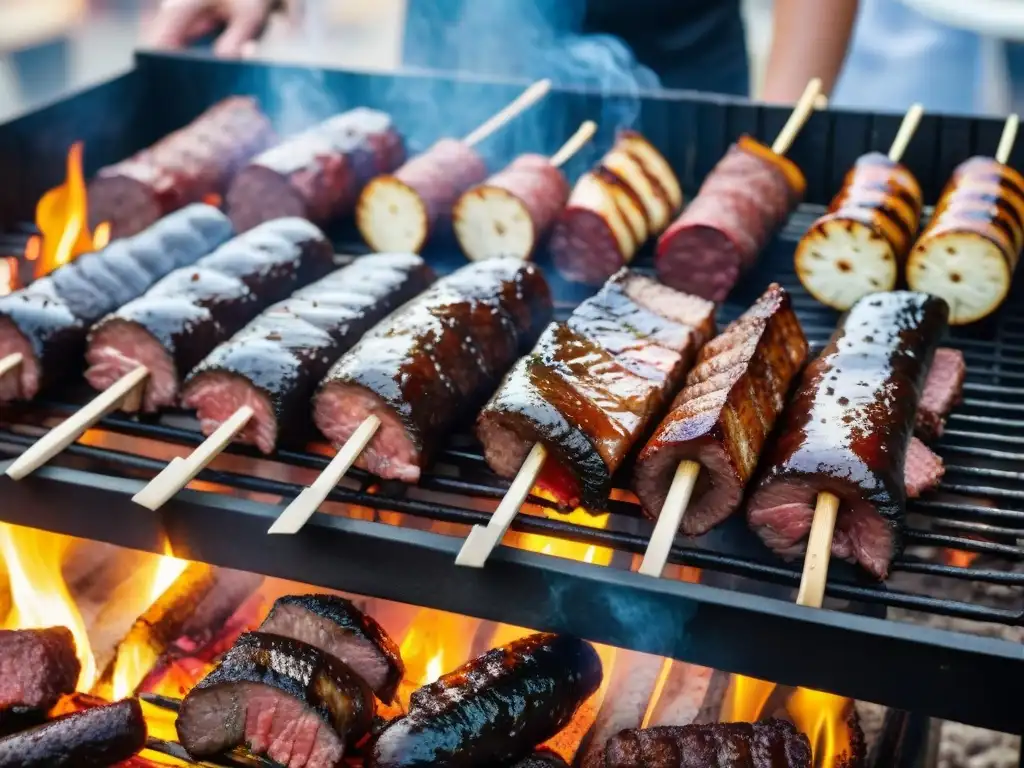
x=35 y=44
x=686 y=44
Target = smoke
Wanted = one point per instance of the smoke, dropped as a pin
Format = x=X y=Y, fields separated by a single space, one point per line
x=297 y=98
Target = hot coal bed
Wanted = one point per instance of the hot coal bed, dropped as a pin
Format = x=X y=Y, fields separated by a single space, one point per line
x=940 y=639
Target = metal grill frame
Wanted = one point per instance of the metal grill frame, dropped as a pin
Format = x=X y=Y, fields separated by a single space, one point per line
x=911 y=667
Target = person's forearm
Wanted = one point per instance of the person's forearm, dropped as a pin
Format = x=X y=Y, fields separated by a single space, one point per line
x=809 y=39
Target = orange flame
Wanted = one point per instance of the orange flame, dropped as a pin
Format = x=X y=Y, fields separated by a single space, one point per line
x=9 y=281
x=39 y=594
x=436 y=643
x=746 y=699
x=62 y=216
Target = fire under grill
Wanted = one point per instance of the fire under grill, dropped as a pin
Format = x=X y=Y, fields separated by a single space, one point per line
x=730 y=605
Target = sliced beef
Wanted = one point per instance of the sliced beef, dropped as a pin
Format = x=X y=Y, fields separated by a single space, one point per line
x=37 y=667
x=724 y=416
x=284 y=698
x=335 y=626
x=274 y=364
x=432 y=363
x=942 y=391
x=495 y=709
x=592 y=387
x=189 y=312
x=848 y=429
x=92 y=738
x=48 y=321
x=923 y=470
x=767 y=744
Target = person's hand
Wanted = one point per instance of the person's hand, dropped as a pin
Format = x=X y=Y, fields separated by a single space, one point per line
x=180 y=22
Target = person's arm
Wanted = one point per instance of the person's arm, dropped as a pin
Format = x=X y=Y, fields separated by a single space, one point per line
x=809 y=39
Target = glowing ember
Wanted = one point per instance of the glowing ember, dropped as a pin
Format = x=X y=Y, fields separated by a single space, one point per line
x=62 y=216
x=824 y=717
x=39 y=594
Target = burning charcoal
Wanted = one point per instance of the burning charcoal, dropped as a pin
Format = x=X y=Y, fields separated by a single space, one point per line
x=37 y=666
x=336 y=626
x=96 y=737
x=275 y=693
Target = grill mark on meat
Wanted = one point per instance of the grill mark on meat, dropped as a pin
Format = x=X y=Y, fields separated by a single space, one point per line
x=431 y=362
x=275 y=363
x=495 y=709
x=48 y=321
x=93 y=738
x=848 y=428
x=726 y=412
x=335 y=626
x=766 y=744
x=186 y=314
x=286 y=699
x=37 y=666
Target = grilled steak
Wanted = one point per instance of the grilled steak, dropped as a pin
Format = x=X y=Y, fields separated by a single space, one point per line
x=768 y=744
x=724 y=416
x=337 y=627
x=185 y=315
x=284 y=698
x=848 y=429
x=432 y=362
x=37 y=666
x=923 y=469
x=274 y=364
x=495 y=709
x=592 y=386
x=93 y=738
x=942 y=391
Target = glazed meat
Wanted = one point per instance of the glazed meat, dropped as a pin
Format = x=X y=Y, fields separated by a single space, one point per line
x=37 y=667
x=495 y=709
x=432 y=362
x=284 y=698
x=274 y=364
x=724 y=416
x=592 y=386
x=848 y=429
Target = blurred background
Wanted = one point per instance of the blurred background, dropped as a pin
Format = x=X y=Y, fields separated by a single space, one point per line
x=48 y=46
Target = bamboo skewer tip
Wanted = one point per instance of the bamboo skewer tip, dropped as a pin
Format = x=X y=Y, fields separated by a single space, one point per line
x=1007 y=139
x=802 y=111
x=296 y=514
x=906 y=132
x=575 y=142
x=69 y=430
x=9 y=362
x=670 y=518
x=513 y=109
x=819 y=551
x=482 y=540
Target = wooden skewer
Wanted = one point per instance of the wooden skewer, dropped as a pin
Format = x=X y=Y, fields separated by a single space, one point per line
x=1008 y=138
x=483 y=539
x=521 y=103
x=819 y=550
x=181 y=471
x=9 y=362
x=906 y=132
x=306 y=503
x=798 y=117
x=69 y=430
x=575 y=143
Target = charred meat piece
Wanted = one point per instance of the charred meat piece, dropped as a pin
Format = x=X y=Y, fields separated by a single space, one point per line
x=274 y=364
x=93 y=738
x=942 y=391
x=592 y=386
x=495 y=709
x=335 y=626
x=923 y=470
x=432 y=362
x=48 y=322
x=724 y=416
x=284 y=698
x=37 y=667
x=542 y=758
x=847 y=431
x=767 y=744
x=319 y=173
x=185 y=315
x=191 y=165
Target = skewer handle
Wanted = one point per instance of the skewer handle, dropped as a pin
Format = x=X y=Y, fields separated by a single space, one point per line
x=906 y=132
x=69 y=430
x=1008 y=138
x=483 y=539
x=521 y=103
x=306 y=503
x=798 y=117
x=576 y=142
x=819 y=550
x=181 y=471
x=669 y=519
x=9 y=362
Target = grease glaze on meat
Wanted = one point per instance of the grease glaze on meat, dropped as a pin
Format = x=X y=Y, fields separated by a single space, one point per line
x=847 y=431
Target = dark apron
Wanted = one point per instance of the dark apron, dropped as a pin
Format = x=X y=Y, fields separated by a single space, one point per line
x=686 y=44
